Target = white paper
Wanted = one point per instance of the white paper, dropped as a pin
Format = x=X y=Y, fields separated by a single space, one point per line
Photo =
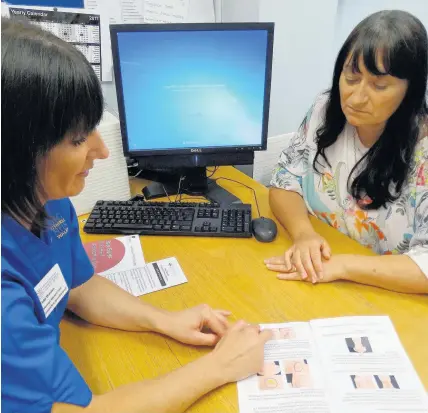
x=152 y=277
x=165 y=11
x=4 y=10
x=348 y=364
x=114 y=12
x=133 y=11
x=118 y=11
x=292 y=380
x=367 y=367
x=51 y=289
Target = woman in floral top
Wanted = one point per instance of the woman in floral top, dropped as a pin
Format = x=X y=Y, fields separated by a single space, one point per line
x=360 y=163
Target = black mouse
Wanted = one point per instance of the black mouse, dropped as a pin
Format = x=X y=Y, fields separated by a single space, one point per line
x=264 y=229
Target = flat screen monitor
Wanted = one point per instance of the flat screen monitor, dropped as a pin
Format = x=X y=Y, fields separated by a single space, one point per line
x=193 y=95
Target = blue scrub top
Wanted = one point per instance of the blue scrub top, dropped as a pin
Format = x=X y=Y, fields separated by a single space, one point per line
x=36 y=372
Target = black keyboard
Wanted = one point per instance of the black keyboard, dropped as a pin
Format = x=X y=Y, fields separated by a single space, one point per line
x=169 y=218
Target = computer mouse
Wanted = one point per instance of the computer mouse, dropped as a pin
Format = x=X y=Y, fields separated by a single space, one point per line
x=264 y=229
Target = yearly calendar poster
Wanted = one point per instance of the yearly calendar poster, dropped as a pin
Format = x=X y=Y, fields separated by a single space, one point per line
x=80 y=29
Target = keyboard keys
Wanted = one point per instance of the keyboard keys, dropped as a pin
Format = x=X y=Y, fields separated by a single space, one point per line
x=228 y=229
x=132 y=226
x=151 y=218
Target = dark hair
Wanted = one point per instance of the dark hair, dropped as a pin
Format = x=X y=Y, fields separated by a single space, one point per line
x=49 y=91
x=403 y=40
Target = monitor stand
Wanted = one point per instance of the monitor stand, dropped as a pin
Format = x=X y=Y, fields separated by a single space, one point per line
x=194 y=182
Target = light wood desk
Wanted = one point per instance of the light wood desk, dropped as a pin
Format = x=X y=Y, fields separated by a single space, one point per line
x=229 y=273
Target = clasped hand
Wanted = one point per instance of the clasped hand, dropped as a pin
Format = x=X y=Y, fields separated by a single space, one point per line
x=309 y=259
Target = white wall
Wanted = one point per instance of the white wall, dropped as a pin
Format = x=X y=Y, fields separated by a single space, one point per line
x=303 y=59
x=239 y=10
x=351 y=12
x=308 y=36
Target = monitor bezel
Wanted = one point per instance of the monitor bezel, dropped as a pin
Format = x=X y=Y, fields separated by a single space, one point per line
x=115 y=29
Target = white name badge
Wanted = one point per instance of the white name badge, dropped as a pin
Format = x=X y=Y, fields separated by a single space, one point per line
x=51 y=289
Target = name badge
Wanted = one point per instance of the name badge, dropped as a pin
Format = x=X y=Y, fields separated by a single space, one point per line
x=51 y=289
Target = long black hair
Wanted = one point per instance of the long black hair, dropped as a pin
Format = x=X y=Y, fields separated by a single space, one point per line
x=402 y=39
x=48 y=91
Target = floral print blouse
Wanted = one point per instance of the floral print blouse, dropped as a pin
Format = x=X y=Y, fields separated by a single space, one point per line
x=399 y=228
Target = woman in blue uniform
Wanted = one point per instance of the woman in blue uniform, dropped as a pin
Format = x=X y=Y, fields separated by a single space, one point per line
x=51 y=105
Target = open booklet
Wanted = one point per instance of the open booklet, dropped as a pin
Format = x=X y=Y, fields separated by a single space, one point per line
x=343 y=365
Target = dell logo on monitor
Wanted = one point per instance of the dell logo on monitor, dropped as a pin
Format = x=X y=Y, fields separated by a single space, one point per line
x=197 y=150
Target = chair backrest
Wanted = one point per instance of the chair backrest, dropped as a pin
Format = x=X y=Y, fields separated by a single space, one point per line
x=265 y=161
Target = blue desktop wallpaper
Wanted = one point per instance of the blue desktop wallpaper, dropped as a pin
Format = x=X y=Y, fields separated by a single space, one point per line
x=193 y=89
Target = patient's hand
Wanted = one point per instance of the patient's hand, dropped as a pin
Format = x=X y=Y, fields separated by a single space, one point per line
x=333 y=269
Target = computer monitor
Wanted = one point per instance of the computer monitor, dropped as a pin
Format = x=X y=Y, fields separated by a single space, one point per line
x=192 y=96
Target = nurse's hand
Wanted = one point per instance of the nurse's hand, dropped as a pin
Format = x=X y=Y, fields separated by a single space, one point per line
x=200 y=326
x=305 y=257
x=241 y=352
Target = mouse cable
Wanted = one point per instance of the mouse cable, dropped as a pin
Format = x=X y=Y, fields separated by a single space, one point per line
x=246 y=186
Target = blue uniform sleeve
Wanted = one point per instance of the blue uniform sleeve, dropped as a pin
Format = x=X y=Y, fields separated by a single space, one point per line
x=82 y=267
x=36 y=372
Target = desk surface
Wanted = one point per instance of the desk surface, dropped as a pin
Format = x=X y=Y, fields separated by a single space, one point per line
x=230 y=274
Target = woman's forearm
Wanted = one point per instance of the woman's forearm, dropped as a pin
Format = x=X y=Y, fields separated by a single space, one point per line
x=172 y=393
x=290 y=210
x=393 y=272
x=101 y=302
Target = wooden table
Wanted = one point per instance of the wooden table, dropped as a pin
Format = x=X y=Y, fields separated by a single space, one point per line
x=230 y=274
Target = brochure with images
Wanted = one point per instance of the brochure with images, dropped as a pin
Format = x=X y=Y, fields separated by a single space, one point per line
x=346 y=364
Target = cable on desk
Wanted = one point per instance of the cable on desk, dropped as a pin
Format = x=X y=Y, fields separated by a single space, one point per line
x=212 y=172
x=166 y=193
x=182 y=178
x=180 y=193
x=136 y=175
x=246 y=186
